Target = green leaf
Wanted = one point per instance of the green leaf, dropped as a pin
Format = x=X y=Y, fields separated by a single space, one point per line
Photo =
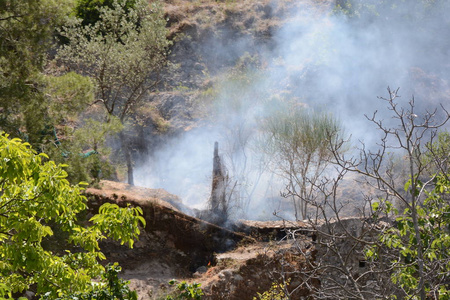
x=37 y=202
x=407 y=185
x=375 y=206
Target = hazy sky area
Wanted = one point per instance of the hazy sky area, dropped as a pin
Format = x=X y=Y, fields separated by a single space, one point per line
x=327 y=62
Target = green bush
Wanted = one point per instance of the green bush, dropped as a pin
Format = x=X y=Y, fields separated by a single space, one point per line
x=89 y=10
x=186 y=291
x=111 y=287
x=36 y=199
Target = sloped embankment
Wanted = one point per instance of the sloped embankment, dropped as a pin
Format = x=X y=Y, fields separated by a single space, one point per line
x=173 y=244
x=228 y=264
x=194 y=239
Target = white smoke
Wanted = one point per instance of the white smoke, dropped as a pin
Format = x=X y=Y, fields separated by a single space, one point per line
x=325 y=60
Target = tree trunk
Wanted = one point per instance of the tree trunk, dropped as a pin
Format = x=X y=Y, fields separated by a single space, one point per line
x=218 y=196
x=420 y=248
x=126 y=151
x=129 y=166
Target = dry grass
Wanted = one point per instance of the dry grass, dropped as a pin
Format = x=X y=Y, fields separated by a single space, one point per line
x=248 y=16
x=124 y=192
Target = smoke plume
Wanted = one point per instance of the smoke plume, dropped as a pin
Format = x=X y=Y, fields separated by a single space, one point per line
x=324 y=58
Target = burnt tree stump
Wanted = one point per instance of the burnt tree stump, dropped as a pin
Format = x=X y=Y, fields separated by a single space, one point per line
x=218 y=202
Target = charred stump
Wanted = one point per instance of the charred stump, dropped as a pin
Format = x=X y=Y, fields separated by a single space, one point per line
x=218 y=202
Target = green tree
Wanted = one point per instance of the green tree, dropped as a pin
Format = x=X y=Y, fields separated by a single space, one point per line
x=428 y=256
x=34 y=96
x=84 y=149
x=26 y=29
x=297 y=140
x=111 y=287
x=35 y=200
x=415 y=248
x=385 y=253
x=420 y=240
x=123 y=54
x=26 y=34
x=89 y=10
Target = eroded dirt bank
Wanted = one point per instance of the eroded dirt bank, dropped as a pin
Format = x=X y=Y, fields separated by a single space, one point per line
x=228 y=264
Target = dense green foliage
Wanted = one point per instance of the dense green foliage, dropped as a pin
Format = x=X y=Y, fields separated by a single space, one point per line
x=89 y=10
x=35 y=97
x=35 y=195
x=41 y=101
x=434 y=223
x=26 y=29
x=111 y=287
x=415 y=249
x=85 y=150
x=123 y=54
x=123 y=60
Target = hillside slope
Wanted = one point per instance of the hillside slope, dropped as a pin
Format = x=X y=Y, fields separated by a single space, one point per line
x=228 y=264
